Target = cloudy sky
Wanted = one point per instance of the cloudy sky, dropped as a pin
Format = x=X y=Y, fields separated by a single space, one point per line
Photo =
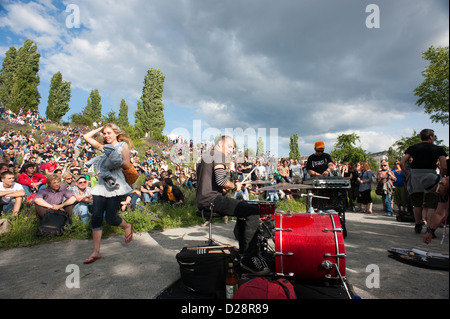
x=307 y=67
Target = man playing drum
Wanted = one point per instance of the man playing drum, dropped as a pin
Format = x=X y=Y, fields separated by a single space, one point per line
x=212 y=182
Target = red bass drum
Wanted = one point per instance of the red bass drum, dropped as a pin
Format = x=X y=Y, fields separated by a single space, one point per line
x=309 y=247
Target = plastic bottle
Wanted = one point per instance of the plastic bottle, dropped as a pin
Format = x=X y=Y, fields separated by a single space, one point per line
x=231 y=282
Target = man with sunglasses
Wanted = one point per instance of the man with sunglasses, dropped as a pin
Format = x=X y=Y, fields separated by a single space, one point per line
x=82 y=192
x=317 y=163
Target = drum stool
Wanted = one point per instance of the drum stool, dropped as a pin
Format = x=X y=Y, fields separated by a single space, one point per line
x=207 y=213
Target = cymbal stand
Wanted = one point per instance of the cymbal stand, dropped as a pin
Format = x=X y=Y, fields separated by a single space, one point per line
x=310 y=196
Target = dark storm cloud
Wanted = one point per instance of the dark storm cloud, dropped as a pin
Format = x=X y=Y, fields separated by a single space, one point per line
x=283 y=64
x=305 y=67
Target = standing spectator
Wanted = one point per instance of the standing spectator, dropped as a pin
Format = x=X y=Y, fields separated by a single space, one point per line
x=246 y=168
x=425 y=157
x=347 y=173
x=260 y=171
x=283 y=170
x=296 y=172
x=400 y=190
x=386 y=177
x=365 y=187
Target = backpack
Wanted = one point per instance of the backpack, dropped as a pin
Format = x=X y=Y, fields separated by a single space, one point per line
x=263 y=288
x=53 y=223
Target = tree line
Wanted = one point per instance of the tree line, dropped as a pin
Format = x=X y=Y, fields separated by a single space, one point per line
x=19 y=81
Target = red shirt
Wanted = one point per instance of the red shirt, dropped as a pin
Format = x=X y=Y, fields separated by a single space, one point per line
x=26 y=180
x=50 y=167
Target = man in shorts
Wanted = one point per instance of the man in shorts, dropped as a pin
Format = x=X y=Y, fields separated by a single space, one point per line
x=425 y=157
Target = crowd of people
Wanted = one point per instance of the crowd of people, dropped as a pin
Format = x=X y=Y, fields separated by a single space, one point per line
x=53 y=171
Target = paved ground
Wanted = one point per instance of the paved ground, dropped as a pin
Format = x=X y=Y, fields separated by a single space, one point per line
x=146 y=266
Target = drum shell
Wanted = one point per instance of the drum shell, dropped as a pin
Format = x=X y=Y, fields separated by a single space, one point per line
x=266 y=208
x=304 y=241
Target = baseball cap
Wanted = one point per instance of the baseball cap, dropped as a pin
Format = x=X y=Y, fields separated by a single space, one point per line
x=80 y=177
x=319 y=144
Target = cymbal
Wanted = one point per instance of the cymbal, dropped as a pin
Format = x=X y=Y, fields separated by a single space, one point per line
x=282 y=186
x=258 y=182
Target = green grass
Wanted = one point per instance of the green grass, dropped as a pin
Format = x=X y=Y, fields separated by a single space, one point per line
x=145 y=218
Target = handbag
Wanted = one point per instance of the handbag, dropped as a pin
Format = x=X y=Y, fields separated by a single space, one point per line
x=379 y=189
x=131 y=174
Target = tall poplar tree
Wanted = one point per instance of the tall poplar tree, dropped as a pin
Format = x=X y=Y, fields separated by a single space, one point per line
x=122 y=121
x=19 y=78
x=58 y=98
x=150 y=109
x=92 y=112
x=7 y=77
x=293 y=147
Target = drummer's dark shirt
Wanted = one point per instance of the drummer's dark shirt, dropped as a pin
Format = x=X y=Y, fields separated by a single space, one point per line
x=207 y=188
x=318 y=163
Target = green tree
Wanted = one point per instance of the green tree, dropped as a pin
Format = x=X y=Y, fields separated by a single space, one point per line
x=259 y=146
x=433 y=92
x=58 y=98
x=20 y=78
x=345 y=150
x=92 y=112
x=110 y=117
x=8 y=77
x=150 y=110
x=402 y=144
x=294 y=152
x=122 y=120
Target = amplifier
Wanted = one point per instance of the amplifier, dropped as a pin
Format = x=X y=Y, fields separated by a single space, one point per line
x=330 y=182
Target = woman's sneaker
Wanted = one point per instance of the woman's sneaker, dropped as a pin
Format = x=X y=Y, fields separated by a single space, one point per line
x=255 y=265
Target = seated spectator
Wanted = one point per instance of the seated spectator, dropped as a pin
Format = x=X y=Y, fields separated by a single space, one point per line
x=171 y=193
x=11 y=194
x=67 y=180
x=50 y=166
x=272 y=195
x=82 y=192
x=54 y=197
x=31 y=181
x=241 y=194
x=150 y=192
x=4 y=167
x=185 y=180
x=131 y=200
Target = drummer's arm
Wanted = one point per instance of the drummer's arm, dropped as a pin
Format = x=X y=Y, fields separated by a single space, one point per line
x=220 y=173
x=313 y=173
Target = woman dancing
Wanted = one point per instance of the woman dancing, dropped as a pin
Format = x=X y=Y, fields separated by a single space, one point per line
x=106 y=201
